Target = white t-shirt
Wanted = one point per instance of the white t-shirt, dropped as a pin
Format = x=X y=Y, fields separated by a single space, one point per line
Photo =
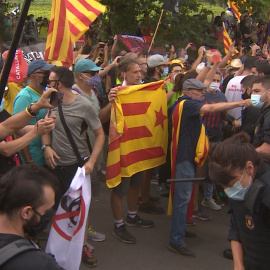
x=234 y=93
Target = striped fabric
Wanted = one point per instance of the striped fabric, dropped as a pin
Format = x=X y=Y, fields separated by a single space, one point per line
x=138 y=135
x=70 y=19
x=235 y=8
x=227 y=41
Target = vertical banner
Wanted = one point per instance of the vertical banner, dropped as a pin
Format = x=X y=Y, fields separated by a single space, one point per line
x=67 y=233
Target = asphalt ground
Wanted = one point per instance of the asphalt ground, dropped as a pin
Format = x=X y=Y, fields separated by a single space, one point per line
x=151 y=249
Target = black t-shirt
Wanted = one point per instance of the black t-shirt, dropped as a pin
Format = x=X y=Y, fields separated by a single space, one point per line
x=29 y=260
x=190 y=129
x=262 y=129
x=250 y=117
x=252 y=229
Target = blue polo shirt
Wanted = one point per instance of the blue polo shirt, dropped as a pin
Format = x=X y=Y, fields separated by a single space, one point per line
x=190 y=129
x=25 y=97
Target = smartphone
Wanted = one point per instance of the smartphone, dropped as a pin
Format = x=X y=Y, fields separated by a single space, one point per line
x=56 y=97
x=101 y=46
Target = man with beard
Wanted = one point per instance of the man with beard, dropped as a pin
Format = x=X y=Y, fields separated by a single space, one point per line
x=38 y=74
x=26 y=201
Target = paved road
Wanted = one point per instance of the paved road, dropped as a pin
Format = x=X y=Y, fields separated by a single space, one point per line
x=151 y=250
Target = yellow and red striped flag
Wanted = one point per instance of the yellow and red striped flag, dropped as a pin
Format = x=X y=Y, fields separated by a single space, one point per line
x=70 y=19
x=138 y=131
x=227 y=41
x=235 y=8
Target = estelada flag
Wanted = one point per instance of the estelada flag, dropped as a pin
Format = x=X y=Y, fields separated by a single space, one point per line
x=18 y=70
x=70 y=19
x=202 y=147
x=138 y=135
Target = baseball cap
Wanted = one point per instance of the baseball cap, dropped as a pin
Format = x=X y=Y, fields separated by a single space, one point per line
x=156 y=60
x=38 y=64
x=193 y=84
x=84 y=65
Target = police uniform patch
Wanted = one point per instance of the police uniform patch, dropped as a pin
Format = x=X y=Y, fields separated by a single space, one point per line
x=249 y=222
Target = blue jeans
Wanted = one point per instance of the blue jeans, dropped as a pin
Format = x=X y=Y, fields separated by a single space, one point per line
x=182 y=195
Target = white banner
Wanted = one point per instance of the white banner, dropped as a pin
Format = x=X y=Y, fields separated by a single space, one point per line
x=67 y=233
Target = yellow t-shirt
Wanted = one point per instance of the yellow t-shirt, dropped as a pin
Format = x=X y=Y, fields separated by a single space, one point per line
x=10 y=95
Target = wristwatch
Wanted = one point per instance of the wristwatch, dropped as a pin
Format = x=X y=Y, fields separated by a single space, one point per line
x=44 y=146
x=30 y=110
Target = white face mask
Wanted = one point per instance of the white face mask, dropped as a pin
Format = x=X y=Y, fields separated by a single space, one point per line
x=214 y=86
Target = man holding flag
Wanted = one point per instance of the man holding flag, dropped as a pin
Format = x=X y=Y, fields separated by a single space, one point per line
x=137 y=142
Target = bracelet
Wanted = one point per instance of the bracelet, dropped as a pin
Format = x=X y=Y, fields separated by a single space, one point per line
x=29 y=110
x=209 y=66
x=29 y=162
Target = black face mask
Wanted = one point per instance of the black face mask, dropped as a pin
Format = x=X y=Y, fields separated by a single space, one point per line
x=245 y=95
x=33 y=230
x=44 y=80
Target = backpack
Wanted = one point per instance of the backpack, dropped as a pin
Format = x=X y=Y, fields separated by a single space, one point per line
x=15 y=248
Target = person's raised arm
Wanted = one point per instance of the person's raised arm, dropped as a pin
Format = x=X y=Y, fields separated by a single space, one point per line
x=224 y=106
x=114 y=46
x=225 y=59
x=106 y=56
x=104 y=71
x=199 y=59
x=21 y=119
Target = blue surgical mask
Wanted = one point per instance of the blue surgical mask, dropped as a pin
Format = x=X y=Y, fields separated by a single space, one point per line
x=94 y=81
x=186 y=57
x=165 y=72
x=237 y=191
x=256 y=100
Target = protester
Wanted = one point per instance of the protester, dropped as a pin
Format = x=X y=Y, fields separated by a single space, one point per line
x=38 y=74
x=79 y=113
x=237 y=166
x=26 y=201
x=130 y=74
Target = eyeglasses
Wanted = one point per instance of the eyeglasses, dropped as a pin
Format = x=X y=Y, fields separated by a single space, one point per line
x=49 y=81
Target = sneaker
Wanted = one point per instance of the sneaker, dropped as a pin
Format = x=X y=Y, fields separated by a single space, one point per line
x=88 y=258
x=191 y=223
x=200 y=215
x=220 y=202
x=190 y=234
x=123 y=235
x=95 y=236
x=163 y=190
x=181 y=249
x=151 y=209
x=92 y=249
x=138 y=222
x=210 y=204
x=227 y=253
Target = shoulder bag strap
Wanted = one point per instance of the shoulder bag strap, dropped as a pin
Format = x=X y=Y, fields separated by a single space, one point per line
x=70 y=138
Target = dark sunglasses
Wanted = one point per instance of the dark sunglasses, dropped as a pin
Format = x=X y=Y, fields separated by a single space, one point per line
x=92 y=73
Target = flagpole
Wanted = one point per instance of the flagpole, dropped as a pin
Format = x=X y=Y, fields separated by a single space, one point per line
x=155 y=31
x=13 y=47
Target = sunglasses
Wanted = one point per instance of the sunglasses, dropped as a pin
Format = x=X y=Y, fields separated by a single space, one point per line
x=92 y=73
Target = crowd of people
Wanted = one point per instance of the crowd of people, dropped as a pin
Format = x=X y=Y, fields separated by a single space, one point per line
x=209 y=100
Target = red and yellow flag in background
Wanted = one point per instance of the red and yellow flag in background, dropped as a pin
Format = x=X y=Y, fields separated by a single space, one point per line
x=227 y=41
x=70 y=19
x=235 y=8
x=138 y=135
